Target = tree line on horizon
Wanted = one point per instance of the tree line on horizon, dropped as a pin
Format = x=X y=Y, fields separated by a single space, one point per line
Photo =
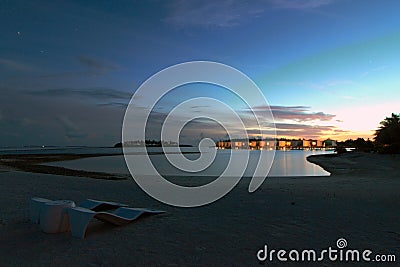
x=386 y=138
x=149 y=142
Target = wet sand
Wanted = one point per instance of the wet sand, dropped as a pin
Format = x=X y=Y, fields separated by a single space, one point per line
x=359 y=202
x=35 y=163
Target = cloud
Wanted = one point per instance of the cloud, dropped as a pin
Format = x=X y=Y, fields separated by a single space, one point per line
x=302 y=127
x=70 y=75
x=300 y=4
x=296 y=113
x=95 y=64
x=302 y=130
x=377 y=69
x=29 y=120
x=228 y=13
x=92 y=67
x=200 y=106
x=99 y=93
x=219 y=14
x=14 y=65
x=114 y=104
x=71 y=129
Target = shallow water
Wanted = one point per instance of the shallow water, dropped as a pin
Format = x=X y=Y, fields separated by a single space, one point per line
x=286 y=163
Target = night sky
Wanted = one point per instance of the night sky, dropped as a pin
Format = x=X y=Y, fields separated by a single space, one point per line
x=328 y=68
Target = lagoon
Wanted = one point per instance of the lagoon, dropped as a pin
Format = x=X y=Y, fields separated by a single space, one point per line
x=286 y=163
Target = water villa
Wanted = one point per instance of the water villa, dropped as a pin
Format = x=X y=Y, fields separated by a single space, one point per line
x=280 y=144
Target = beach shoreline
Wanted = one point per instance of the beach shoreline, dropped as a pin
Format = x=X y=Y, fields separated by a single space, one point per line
x=359 y=164
x=37 y=163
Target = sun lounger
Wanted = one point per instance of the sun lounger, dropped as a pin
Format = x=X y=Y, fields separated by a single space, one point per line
x=61 y=215
x=79 y=217
x=99 y=205
x=35 y=205
x=54 y=216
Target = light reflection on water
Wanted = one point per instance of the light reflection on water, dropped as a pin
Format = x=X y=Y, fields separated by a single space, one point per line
x=286 y=163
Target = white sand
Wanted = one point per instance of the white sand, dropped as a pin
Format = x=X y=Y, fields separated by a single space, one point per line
x=285 y=213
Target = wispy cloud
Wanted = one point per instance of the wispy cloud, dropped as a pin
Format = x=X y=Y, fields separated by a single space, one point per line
x=92 y=67
x=14 y=65
x=72 y=130
x=295 y=113
x=68 y=75
x=229 y=13
x=200 y=106
x=205 y=14
x=96 y=64
x=295 y=126
x=305 y=130
x=377 y=69
x=99 y=93
x=300 y=4
x=113 y=104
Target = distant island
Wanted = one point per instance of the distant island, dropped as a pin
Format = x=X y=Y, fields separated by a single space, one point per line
x=150 y=143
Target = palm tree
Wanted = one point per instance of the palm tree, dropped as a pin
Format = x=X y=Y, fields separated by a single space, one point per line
x=388 y=134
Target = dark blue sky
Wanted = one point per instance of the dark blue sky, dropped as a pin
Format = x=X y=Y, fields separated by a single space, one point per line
x=68 y=68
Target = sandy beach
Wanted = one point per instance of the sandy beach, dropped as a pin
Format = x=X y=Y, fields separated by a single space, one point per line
x=359 y=202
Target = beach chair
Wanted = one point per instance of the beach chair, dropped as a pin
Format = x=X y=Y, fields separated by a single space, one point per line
x=99 y=205
x=79 y=218
x=52 y=215
x=35 y=206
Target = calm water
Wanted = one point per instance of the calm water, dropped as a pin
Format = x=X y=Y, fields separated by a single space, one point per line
x=286 y=163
